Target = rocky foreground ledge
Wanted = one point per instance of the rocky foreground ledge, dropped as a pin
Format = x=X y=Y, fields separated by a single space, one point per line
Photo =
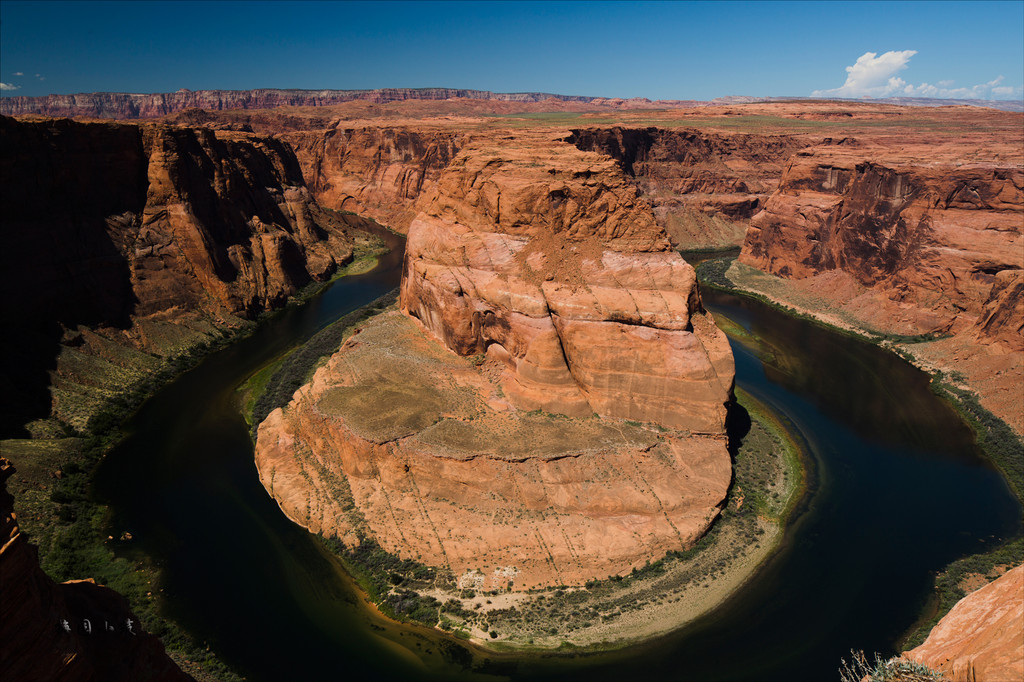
x=549 y=409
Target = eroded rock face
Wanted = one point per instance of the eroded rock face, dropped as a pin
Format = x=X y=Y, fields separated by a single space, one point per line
x=116 y=226
x=982 y=637
x=942 y=242
x=547 y=260
x=141 y=219
x=552 y=408
x=379 y=172
x=33 y=609
x=398 y=440
x=704 y=186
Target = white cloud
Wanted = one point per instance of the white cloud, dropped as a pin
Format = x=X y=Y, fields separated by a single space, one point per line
x=9 y=86
x=875 y=76
x=17 y=73
x=871 y=75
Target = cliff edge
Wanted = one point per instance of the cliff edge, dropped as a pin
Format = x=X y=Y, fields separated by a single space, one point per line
x=549 y=409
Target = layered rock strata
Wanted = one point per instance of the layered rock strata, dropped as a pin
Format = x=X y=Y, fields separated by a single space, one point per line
x=909 y=242
x=379 y=172
x=704 y=186
x=982 y=637
x=551 y=263
x=135 y=105
x=129 y=227
x=70 y=631
x=525 y=462
x=940 y=242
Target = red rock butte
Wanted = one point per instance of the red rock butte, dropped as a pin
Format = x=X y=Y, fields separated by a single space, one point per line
x=551 y=407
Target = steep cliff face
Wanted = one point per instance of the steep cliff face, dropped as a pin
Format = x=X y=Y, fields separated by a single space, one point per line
x=129 y=105
x=528 y=459
x=547 y=259
x=704 y=186
x=379 y=172
x=119 y=226
x=103 y=639
x=124 y=219
x=982 y=637
x=941 y=242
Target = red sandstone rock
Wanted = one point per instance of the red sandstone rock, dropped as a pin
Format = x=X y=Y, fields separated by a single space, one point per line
x=128 y=220
x=378 y=172
x=133 y=227
x=542 y=261
x=546 y=258
x=690 y=176
x=930 y=237
x=398 y=440
x=981 y=639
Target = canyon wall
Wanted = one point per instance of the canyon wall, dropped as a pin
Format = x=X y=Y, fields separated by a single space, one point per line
x=378 y=172
x=34 y=612
x=704 y=186
x=982 y=637
x=136 y=228
x=578 y=429
x=121 y=105
x=940 y=244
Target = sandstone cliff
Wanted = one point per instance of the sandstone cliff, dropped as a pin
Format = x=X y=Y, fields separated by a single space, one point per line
x=940 y=242
x=704 y=186
x=379 y=172
x=512 y=465
x=34 y=645
x=129 y=228
x=550 y=261
x=130 y=105
x=909 y=241
x=982 y=637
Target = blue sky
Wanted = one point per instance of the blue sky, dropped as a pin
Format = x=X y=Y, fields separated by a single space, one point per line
x=658 y=50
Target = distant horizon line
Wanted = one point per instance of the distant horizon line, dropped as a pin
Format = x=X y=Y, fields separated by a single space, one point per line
x=551 y=95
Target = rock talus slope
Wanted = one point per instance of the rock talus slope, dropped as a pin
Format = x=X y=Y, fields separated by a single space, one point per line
x=982 y=637
x=521 y=459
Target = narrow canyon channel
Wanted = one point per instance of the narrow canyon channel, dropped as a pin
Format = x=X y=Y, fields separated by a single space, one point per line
x=896 y=490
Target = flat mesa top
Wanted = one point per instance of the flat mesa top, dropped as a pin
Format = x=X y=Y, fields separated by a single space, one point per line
x=391 y=382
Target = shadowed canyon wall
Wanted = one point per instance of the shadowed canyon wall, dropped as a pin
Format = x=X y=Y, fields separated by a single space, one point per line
x=378 y=172
x=130 y=227
x=943 y=242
